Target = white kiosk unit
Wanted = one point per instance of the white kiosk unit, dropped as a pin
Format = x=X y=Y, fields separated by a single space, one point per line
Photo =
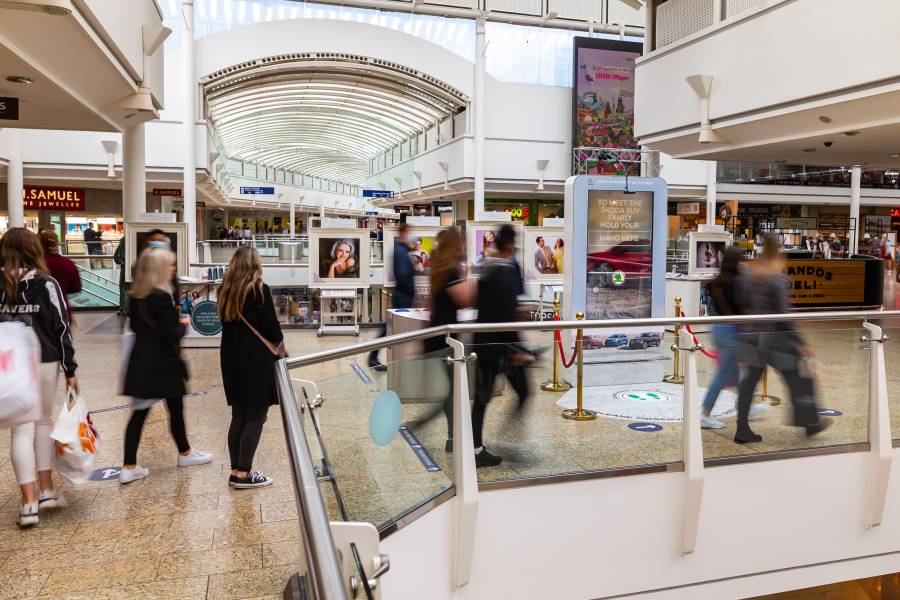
x=339 y=266
x=338 y=304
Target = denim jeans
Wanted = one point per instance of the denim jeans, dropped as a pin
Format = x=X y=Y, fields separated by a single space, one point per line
x=725 y=339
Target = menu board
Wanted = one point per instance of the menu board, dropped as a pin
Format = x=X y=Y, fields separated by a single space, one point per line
x=619 y=255
x=827 y=282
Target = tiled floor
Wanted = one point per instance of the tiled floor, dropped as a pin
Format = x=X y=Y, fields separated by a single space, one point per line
x=182 y=533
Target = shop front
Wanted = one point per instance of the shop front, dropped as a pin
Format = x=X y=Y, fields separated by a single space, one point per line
x=527 y=212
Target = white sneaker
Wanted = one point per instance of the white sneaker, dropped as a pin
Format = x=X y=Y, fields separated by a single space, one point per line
x=28 y=515
x=711 y=423
x=758 y=410
x=196 y=457
x=127 y=475
x=50 y=499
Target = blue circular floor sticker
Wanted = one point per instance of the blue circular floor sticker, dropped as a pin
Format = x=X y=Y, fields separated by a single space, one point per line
x=205 y=318
x=384 y=421
x=829 y=412
x=645 y=427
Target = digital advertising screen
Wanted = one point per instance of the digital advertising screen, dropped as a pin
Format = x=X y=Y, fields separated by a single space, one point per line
x=603 y=90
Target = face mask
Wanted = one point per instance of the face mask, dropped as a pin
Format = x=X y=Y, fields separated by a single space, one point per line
x=158 y=244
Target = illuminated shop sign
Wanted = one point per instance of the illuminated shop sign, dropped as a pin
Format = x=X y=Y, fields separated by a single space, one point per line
x=826 y=281
x=53 y=198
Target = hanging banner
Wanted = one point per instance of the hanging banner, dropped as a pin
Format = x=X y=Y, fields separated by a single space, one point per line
x=603 y=88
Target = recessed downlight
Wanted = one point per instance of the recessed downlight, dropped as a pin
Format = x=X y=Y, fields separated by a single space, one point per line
x=20 y=79
x=895 y=155
x=825 y=119
x=851 y=133
x=808 y=150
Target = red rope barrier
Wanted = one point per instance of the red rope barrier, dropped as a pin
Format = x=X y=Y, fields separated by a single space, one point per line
x=714 y=356
x=562 y=354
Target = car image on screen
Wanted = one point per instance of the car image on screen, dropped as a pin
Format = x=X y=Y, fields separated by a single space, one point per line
x=616 y=340
x=644 y=341
x=634 y=259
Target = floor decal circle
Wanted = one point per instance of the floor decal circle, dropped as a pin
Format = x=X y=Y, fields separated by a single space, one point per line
x=659 y=402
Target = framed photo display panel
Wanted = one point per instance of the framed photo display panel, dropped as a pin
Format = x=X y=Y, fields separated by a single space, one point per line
x=136 y=234
x=706 y=251
x=338 y=258
x=481 y=239
x=544 y=249
x=422 y=242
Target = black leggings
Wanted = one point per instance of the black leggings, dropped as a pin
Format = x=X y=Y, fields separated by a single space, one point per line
x=489 y=367
x=244 y=433
x=135 y=425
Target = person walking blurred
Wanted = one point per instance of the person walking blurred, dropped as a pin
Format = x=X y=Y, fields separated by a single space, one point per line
x=723 y=302
x=155 y=368
x=762 y=288
x=61 y=268
x=30 y=295
x=251 y=343
x=501 y=350
x=451 y=291
x=405 y=288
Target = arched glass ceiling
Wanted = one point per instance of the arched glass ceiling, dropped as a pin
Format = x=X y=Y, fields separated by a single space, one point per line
x=323 y=114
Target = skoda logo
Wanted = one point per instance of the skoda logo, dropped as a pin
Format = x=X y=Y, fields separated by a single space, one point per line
x=643 y=396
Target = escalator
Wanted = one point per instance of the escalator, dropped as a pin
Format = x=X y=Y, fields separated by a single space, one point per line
x=97 y=291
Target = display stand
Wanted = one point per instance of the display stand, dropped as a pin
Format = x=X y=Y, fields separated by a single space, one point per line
x=340 y=299
x=553 y=289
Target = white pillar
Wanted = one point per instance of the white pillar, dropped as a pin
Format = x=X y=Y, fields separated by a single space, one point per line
x=189 y=83
x=134 y=173
x=480 y=108
x=293 y=223
x=15 y=180
x=711 y=193
x=855 y=191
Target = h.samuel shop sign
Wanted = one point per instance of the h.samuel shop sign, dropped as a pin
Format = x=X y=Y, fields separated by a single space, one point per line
x=53 y=198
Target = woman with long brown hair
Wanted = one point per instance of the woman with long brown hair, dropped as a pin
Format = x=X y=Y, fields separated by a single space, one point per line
x=451 y=291
x=251 y=343
x=31 y=296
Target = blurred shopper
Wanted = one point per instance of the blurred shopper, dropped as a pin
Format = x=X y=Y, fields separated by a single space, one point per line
x=251 y=343
x=837 y=249
x=500 y=351
x=93 y=243
x=451 y=291
x=762 y=288
x=405 y=288
x=723 y=302
x=119 y=260
x=155 y=369
x=887 y=251
x=61 y=268
x=30 y=295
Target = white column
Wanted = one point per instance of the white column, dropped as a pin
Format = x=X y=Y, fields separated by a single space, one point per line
x=134 y=173
x=711 y=192
x=15 y=180
x=855 y=191
x=292 y=221
x=480 y=108
x=189 y=83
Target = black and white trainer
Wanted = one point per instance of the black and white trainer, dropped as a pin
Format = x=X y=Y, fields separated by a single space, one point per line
x=253 y=479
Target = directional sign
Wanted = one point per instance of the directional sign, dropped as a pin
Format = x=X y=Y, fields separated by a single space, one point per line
x=106 y=474
x=645 y=427
x=618 y=278
x=255 y=191
x=829 y=412
x=377 y=194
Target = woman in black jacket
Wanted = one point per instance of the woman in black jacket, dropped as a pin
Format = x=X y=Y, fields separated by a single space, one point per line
x=155 y=368
x=251 y=343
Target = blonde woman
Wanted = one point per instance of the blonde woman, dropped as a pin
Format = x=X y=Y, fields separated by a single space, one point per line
x=156 y=370
x=30 y=295
x=251 y=343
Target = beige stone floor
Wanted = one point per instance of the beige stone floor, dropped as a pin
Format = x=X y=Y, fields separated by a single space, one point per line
x=182 y=533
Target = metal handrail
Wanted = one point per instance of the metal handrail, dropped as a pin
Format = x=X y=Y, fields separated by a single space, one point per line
x=98 y=276
x=323 y=568
x=421 y=334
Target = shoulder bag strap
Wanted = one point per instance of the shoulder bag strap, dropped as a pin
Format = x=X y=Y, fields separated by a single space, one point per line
x=272 y=347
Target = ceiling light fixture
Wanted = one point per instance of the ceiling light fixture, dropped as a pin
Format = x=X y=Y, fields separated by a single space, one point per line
x=702 y=86
x=20 y=79
x=808 y=150
x=895 y=155
x=851 y=133
x=55 y=8
x=825 y=119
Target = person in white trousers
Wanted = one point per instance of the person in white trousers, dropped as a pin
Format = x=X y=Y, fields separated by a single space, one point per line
x=30 y=295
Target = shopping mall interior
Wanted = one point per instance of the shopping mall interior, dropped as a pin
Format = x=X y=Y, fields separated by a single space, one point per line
x=705 y=241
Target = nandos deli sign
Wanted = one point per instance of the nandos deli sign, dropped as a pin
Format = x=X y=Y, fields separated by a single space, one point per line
x=826 y=281
x=53 y=198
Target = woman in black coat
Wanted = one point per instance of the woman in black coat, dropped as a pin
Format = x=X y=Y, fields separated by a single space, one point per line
x=251 y=343
x=155 y=368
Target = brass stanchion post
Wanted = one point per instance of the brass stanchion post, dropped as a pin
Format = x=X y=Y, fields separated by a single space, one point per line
x=676 y=376
x=579 y=413
x=555 y=385
x=765 y=397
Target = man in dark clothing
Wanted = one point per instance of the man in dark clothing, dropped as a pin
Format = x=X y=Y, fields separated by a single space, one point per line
x=498 y=351
x=405 y=289
x=93 y=242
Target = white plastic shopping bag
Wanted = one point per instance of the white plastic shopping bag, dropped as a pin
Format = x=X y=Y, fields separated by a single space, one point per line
x=20 y=383
x=127 y=346
x=76 y=440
